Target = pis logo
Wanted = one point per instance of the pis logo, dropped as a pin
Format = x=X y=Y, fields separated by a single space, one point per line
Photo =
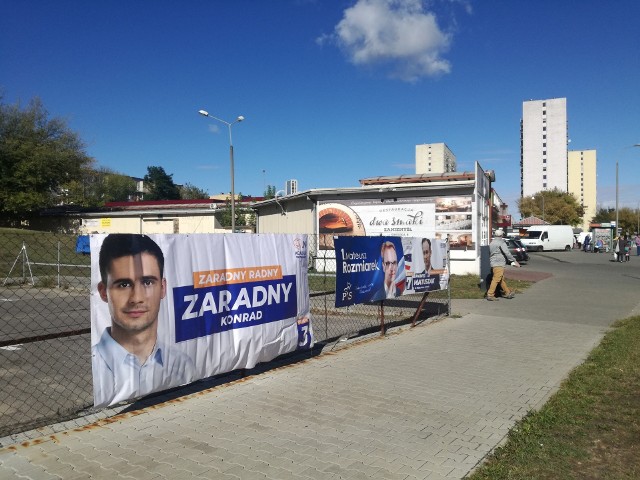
x=347 y=294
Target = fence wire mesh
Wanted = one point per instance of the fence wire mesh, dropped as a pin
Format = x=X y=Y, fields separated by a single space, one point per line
x=45 y=351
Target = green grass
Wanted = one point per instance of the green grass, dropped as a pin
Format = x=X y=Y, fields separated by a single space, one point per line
x=590 y=429
x=45 y=251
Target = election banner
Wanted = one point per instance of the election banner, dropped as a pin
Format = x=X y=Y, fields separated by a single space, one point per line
x=167 y=310
x=371 y=269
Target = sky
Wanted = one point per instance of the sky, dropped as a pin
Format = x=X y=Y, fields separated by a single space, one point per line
x=332 y=91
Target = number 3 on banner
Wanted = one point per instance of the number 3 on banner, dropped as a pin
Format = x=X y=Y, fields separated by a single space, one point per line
x=303 y=335
x=304 y=339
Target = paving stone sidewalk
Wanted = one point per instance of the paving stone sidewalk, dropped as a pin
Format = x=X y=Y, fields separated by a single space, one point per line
x=423 y=403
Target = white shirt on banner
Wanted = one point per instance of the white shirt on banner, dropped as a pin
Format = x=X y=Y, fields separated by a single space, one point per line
x=119 y=375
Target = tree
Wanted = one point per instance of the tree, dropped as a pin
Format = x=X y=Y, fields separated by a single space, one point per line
x=38 y=155
x=191 y=192
x=604 y=215
x=270 y=192
x=628 y=219
x=160 y=185
x=96 y=187
x=81 y=191
x=560 y=208
x=116 y=187
x=245 y=216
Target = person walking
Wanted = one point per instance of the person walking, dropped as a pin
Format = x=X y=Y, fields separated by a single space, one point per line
x=499 y=256
x=622 y=242
x=638 y=244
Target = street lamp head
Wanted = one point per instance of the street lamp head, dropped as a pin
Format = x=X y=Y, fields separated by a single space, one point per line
x=233 y=194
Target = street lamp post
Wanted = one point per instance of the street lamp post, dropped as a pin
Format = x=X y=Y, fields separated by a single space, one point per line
x=638 y=226
x=233 y=193
x=617 y=224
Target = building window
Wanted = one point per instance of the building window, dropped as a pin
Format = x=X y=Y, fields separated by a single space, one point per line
x=544 y=177
x=544 y=185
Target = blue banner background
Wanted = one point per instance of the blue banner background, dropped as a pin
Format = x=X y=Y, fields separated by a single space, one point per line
x=211 y=323
x=359 y=287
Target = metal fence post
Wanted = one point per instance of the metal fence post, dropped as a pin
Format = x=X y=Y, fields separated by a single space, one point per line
x=58 y=264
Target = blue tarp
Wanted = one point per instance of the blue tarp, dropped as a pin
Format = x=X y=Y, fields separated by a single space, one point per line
x=82 y=244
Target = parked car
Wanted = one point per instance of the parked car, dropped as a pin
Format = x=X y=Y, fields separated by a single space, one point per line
x=517 y=249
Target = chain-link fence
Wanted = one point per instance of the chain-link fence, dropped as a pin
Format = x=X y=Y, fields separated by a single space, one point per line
x=331 y=323
x=45 y=359
x=45 y=351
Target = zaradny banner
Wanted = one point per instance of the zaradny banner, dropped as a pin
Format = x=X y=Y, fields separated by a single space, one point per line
x=170 y=309
x=371 y=269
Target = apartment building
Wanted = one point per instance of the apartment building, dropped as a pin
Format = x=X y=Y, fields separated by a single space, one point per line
x=581 y=181
x=434 y=158
x=543 y=146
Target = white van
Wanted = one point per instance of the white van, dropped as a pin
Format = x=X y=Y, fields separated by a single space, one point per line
x=549 y=237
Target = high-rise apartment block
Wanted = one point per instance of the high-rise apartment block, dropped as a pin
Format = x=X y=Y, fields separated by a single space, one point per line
x=543 y=146
x=434 y=158
x=581 y=182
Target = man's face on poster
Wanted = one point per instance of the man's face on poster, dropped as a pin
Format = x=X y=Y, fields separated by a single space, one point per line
x=389 y=265
x=426 y=255
x=133 y=291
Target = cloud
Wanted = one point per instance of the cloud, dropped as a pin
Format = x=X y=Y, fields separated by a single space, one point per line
x=399 y=34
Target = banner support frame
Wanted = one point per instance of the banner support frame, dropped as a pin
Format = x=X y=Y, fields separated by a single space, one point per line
x=419 y=309
x=382 y=326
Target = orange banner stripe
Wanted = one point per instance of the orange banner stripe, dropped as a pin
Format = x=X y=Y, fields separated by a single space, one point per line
x=212 y=278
